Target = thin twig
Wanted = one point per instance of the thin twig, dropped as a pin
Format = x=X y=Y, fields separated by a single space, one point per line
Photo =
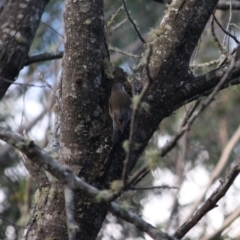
x=221 y=5
x=204 y=65
x=180 y=179
x=191 y=111
x=110 y=22
x=27 y=127
x=52 y=29
x=225 y=31
x=215 y=39
x=153 y=187
x=235 y=25
x=229 y=21
x=115 y=27
x=172 y=143
x=211 y=202
x=132 y=22
x=224 y=60
x=51 y=89
x=142 y=176
x=223 y=160
x=229 y=219
x=21 y=84
x=136 y=106
x=12 y=223
x=111 y=48
x=66 y=176
x=191 y=120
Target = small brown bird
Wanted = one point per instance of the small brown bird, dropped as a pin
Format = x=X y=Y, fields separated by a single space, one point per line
x=119 y=110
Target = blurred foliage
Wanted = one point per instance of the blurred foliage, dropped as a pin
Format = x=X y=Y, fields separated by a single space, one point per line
x=204 y=143
x=147 y=15
x=16 y=189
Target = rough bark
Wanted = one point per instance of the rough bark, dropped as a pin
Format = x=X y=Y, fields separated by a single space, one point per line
x=183 y=25
x=174 y=83
x=84 y=111
x=85 y=124
x=19 y=22
x=84 y=119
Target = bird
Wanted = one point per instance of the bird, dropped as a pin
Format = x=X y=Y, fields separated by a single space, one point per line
x=119 y=110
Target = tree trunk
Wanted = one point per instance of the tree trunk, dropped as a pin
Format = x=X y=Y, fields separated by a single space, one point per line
x=19 y=22
x=85 y=143
x=85 y=124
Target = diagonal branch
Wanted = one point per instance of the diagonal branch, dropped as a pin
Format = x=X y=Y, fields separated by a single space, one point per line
x=137 y=101
x=4 y=149
x=132 y=22
x=216 y=41
x=66 y=176
x=221 y=5
x=225 y=31
x=217 y=171
x=169 y=146
x=211 y=202
x=230 y=218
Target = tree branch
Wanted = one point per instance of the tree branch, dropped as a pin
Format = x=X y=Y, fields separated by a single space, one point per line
x=225 y=31
x=132 y=22
x=14 y=52
x=186 y=126
x=137 y=101
x=43 y=57
x=217 y=171
x=66 y=176
x=230 y=218
x=211 y=202
x=27 y=127
x=153 y=187
x=216 y=41
x=183 y=28
x=221 y=6
x=226 y=6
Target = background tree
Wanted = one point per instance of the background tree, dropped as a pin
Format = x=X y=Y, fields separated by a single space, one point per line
x=163 y=76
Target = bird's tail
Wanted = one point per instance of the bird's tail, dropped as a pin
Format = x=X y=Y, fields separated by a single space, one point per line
x=116 y=136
